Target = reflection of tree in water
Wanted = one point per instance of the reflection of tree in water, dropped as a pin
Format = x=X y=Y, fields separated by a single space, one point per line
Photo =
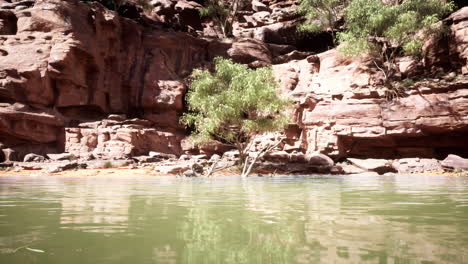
x=164 y=255
x=211 y=240
x=324 y=220
x=226 y=232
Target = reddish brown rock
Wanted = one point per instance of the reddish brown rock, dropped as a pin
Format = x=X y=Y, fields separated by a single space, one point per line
x=451 y=51
x=68 y=63
x=65 y=67
x=342 y=112
x=113 y=139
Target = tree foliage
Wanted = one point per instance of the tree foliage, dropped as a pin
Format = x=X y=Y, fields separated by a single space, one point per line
x=320 y=15
x=223 y=12
x=234 y=104
x=378 y=26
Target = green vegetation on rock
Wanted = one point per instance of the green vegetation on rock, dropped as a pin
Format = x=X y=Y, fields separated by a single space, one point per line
x=373 y=26
x=320 y=15
x=233 y=105
x=223 y=13
x=380 y=29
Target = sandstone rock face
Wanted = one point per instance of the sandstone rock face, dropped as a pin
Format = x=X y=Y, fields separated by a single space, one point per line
x=380 y=166
x=33 y=158
x=83 y=80
x=416 y=165
x=276 y=22
x=63 y=63
x=342 y=112
x=110 y=139
x=450 y=52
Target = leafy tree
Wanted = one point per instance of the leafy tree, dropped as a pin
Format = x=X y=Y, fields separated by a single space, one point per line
x=321 y=15
x=233 y=105
x=223 y=12
x=386 y=29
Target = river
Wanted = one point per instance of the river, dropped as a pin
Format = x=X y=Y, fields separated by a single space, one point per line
x=315 y=219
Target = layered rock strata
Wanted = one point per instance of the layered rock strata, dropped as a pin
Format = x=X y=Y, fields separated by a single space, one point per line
x=79 y=78
x=63 y=63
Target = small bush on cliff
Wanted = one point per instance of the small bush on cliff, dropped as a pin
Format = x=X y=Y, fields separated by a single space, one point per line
x=321 y=15
x=233 y=105
x=223 y=12
x=387 y=29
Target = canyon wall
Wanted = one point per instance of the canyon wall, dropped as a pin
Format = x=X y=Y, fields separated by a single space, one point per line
x=64 y=64
x=79 y=78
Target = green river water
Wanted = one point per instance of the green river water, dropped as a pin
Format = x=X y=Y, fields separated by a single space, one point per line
x=321 y=219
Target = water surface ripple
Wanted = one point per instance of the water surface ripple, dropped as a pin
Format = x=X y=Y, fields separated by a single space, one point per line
x=320 y=219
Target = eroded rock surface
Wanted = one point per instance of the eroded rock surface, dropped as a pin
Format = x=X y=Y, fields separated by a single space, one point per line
x=63 y=63
x=81 y=79
x=342 y=110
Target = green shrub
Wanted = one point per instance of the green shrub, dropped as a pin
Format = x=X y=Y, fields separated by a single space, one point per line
x=374 y=27
x=408 y=83
x=234 y=104
x=108 y=165
x=223 y=12
x=321 y=15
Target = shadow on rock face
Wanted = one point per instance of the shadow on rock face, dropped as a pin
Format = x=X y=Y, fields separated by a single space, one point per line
x=8 y=23
x=461 y=3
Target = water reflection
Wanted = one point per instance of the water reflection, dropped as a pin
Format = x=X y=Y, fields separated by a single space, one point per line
x=258 y=220
x=95 y=207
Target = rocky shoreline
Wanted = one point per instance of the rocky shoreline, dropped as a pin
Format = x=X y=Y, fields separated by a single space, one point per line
x=160 y=164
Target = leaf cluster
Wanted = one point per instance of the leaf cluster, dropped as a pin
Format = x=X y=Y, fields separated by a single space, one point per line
x=223 y=12
x=405 y=24
x=320 y=15
x=233 y=103
x=215 y=9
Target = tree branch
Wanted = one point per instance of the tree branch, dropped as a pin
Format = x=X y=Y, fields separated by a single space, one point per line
x=265 y=150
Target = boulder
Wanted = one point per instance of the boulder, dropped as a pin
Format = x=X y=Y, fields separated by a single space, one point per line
x=318 y=159
x=455 y=162
x=173 y=168
x=58 y=167
x=189 y=173
x=31 y=157
x=351 y=169
x=416 y=165
x=215 y=158
x=146 y=159
x=61 y=156
x=106 y=164
x=249 y=50
x=277 y=156
x=160 y=156
x=30 y=165
x=258 y=6
x=381 y=166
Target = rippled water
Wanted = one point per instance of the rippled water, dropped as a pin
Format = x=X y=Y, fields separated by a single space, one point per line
x=229 y=220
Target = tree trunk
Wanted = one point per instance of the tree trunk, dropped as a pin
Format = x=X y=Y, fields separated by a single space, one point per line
x=247 y=168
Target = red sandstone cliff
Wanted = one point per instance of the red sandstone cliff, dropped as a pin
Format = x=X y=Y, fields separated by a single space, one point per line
x=65 y=66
